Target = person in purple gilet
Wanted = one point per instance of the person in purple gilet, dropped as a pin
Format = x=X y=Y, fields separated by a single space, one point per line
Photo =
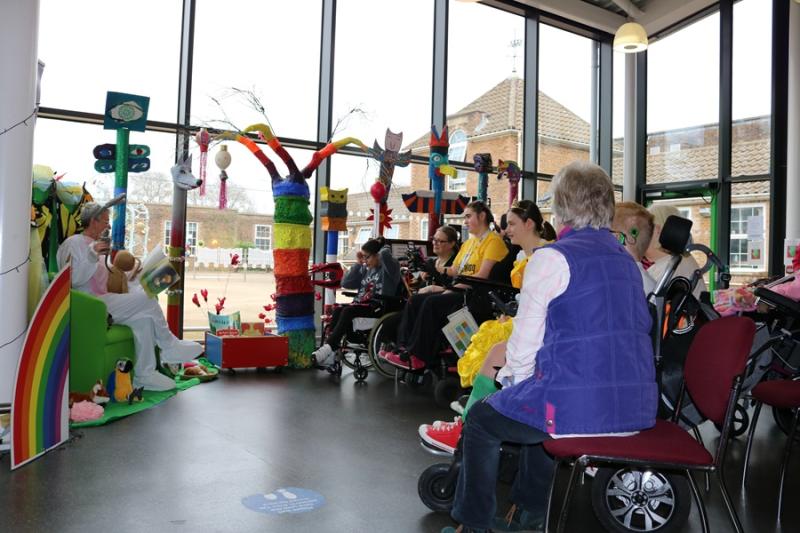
x=579 y=360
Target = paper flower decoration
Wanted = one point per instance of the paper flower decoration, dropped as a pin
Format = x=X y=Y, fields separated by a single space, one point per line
x=195 y=300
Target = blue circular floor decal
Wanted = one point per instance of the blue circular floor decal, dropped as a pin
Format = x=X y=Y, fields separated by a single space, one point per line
x=285 y=500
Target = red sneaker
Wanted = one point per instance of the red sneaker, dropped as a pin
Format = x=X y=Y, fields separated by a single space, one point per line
x=414 y=363
x=442 y=435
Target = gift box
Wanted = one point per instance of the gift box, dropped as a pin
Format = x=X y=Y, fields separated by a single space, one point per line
x=247 y=351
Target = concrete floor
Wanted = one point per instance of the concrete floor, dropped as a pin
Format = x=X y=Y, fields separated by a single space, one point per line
x=187 y=464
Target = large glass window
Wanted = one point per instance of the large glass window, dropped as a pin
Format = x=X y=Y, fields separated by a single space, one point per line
x=752 y=38
x=263 y=237
x=95 y=46
x=750 y=238
x=565 y=98
x=485 y=91
x=683 y=104
x=269 y=50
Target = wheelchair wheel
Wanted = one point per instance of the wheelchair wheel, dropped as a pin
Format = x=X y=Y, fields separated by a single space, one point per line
x=360 y=373
x=640 y=500
x=784 y=418
x=447 y=390
x=382 y=336
x=434 y=490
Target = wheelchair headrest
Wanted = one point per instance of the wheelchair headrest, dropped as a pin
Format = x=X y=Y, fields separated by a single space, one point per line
x=675 y=234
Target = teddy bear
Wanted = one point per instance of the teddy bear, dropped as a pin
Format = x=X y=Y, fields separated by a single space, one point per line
x=123 y=263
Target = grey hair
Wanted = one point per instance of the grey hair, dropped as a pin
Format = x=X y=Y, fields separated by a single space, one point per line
x=661 y=212
x=583 y=196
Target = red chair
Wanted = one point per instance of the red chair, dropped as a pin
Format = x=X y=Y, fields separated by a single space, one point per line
x=781 y=394
x=712 y=376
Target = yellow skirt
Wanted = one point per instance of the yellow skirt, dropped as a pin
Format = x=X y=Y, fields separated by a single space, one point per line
x=490 y=333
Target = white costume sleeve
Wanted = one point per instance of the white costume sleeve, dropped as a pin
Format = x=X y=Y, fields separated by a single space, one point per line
x=84 y=260
x=546 y=277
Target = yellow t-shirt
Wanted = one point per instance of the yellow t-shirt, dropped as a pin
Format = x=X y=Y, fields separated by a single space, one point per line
x=518 y=272
x=476 y=250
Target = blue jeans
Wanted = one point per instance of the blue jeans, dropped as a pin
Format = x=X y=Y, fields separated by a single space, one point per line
x=475 y=500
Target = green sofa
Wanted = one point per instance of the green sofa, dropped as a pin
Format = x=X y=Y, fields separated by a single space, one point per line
x=94 y=346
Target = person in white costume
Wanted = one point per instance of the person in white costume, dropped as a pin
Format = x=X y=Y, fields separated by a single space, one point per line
x=87 y=252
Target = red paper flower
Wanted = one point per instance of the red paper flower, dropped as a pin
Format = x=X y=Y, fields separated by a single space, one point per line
x=317 y=296
x=267 y=320
x=234 y=259
x=219 y=307
x=195 y=300
x=269 y=307
x=272 y=296
x=262 y=316
x=221 y=301
x=204 y=293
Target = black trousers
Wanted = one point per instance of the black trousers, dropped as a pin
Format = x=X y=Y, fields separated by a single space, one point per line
x=475 y=502
x=422 y=322
x=342 y=321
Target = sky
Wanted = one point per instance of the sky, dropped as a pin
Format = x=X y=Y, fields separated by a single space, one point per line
x=382 y=74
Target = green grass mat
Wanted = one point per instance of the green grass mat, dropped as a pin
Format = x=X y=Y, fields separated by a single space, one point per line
x=114 y=411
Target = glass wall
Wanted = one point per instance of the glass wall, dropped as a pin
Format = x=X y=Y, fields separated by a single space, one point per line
x=565 y=98
x=252 y=64
x=750 y=237
x=752 y=37
x=683 y=104
x=111 y=46
x=485 y=92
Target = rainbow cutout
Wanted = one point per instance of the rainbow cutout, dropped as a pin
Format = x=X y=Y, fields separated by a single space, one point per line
x=39 y=413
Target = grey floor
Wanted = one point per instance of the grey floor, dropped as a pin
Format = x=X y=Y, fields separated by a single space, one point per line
x=187 y=464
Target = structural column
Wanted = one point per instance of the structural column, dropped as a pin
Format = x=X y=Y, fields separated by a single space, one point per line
x=19 y=30
x=629 y=150
x=793 y=130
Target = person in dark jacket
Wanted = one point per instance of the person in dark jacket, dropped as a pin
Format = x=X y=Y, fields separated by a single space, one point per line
x=575 y=364
x=376 y=272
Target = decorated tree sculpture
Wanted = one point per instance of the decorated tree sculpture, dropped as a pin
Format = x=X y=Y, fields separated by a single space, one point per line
x=294 y=295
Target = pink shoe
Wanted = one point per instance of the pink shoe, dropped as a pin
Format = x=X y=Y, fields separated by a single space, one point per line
x=414 y=363
x=442 y=435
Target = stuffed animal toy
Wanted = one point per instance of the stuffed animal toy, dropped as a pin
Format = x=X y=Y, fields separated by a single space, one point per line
x=97 y=395
x=120 y=384
x=123 y=263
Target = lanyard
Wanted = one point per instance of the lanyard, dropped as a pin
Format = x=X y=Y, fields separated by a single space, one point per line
x=472 y=249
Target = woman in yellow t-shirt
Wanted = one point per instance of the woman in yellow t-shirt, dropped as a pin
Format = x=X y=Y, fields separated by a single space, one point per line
x=487 y=350
x=419 y=333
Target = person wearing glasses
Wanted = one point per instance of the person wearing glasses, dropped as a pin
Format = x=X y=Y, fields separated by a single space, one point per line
x=376 y=272
x=575 y=364
x=421 y=325
x=445 y=248
x=527 y=229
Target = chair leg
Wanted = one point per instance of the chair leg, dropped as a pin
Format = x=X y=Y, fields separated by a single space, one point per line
x=573 y=475
x=701 y=508
x=737 y=526
x=786 y=460
x=550 y=498
x=750 y=435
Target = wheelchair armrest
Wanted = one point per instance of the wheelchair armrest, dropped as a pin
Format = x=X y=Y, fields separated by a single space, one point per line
x=784 y=304
x=484 y=283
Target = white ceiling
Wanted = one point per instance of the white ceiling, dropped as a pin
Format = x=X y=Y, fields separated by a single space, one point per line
x=658 y=14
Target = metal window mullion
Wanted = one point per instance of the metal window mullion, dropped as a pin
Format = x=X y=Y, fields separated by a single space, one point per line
x=324 y=121
x=640 y=147
x=530 y=124
x=778 y=146
x=722 y=246
x=605 y=105
x=182 y=141
x=439 y=78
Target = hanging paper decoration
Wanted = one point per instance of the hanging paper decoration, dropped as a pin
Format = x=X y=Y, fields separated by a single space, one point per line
x=294 y=298
x=223 y=161
x=389 y=159
x=483 y=165
x=437 y=202
x=202 y=138
x=381 y=214
x=511 y=171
